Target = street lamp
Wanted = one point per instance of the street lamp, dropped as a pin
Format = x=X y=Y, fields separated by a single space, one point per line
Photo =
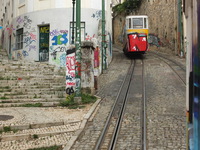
x=73 y=3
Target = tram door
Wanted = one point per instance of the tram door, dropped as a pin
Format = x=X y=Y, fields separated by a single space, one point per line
x=44 y=43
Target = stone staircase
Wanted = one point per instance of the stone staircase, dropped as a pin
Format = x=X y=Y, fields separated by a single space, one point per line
x=30 y=83
x=34 y=84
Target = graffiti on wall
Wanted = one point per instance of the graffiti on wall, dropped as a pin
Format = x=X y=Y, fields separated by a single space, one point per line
x=89 y=38
x=10 y=29
x=70 y=71
x=154 y=40
x=97 y=15
x=29 y=38
x=58 y=48
x=27 y=22
x=28 y=41
x=96 y=57
x=21 y=54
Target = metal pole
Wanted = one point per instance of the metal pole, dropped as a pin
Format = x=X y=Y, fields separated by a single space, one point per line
x=73 y=2
x=104 y=63
x=180 y=29
x=78 y=49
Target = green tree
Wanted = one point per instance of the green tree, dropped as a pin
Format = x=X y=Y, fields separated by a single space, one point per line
x=127 y=7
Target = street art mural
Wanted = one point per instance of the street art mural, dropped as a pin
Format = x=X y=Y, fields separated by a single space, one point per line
x=153 y=39
x=58 y=48
x=97 y=15
x=29 y=38
x=70 y=71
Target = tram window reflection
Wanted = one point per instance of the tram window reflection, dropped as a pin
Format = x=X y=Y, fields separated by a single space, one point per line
x=137 y=23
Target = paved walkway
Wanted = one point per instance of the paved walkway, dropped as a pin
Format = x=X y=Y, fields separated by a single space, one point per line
x=24 y=117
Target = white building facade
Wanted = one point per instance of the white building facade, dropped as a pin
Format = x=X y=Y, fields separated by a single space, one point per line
x=41 y=30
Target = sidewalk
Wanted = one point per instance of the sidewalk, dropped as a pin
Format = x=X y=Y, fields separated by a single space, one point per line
x=43 y=122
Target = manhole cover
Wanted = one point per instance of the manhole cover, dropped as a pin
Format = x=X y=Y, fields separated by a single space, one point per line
x=5 y=117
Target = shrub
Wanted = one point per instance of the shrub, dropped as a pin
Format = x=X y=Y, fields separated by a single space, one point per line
x=70 y=103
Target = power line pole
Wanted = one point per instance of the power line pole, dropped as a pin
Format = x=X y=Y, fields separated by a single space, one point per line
x=104 y=58
x=73 y=2
x=78 y=49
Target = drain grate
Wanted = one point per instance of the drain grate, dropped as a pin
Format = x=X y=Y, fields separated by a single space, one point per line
x=5 y=117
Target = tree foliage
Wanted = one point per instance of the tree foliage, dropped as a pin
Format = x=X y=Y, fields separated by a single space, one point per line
x=127 y=7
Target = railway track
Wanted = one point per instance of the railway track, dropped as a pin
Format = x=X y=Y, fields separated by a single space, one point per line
x=128 y=113
x=177 y=68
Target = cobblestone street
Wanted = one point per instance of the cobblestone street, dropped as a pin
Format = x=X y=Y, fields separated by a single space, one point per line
x=165 y=95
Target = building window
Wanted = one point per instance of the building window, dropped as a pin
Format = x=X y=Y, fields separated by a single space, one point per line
x=82 y=30
x=19 y=38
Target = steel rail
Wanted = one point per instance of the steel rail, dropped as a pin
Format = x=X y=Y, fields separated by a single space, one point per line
x=184 y=82
x=119 y=120
x=144 y=128
x=178 y=64
x=102 y=136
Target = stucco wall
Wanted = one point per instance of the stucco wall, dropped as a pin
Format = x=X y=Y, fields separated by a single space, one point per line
x=58 y=20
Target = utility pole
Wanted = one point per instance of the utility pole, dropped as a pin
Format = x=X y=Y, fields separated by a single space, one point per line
x=78 y=49
x=180 y=29
x=73 y=3
x=103 y=52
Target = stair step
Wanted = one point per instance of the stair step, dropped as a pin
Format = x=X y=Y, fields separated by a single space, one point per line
x=33 y=100
x=48 y=129
x=44 y=104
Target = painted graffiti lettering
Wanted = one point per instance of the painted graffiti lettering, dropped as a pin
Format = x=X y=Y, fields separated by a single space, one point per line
x=60 y=39
x=154 y=40
x=32 y=47
x=26 y=33
x=56 y=32
x=27 y=22
x=89 y=38
x=69 y=90
x=10 y=29
x=97 y=15
x=19 y=20
x=70 y=70
x=58 y=49
x=33 y=36
x=64 y=31
x=28 y=41
x=44 y=44
x=19 y=55
x=44 y=30
x=69 y=78
x=71 y=65
x=25 y=53
x=61 y=49
x=96 y=57
x=63 y=60
x=71 y=83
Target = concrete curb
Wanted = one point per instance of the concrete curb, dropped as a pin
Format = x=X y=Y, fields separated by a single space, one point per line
x=39 y=125
x=82 y=126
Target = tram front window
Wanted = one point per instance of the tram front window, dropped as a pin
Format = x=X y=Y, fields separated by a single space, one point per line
x=137 y=23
